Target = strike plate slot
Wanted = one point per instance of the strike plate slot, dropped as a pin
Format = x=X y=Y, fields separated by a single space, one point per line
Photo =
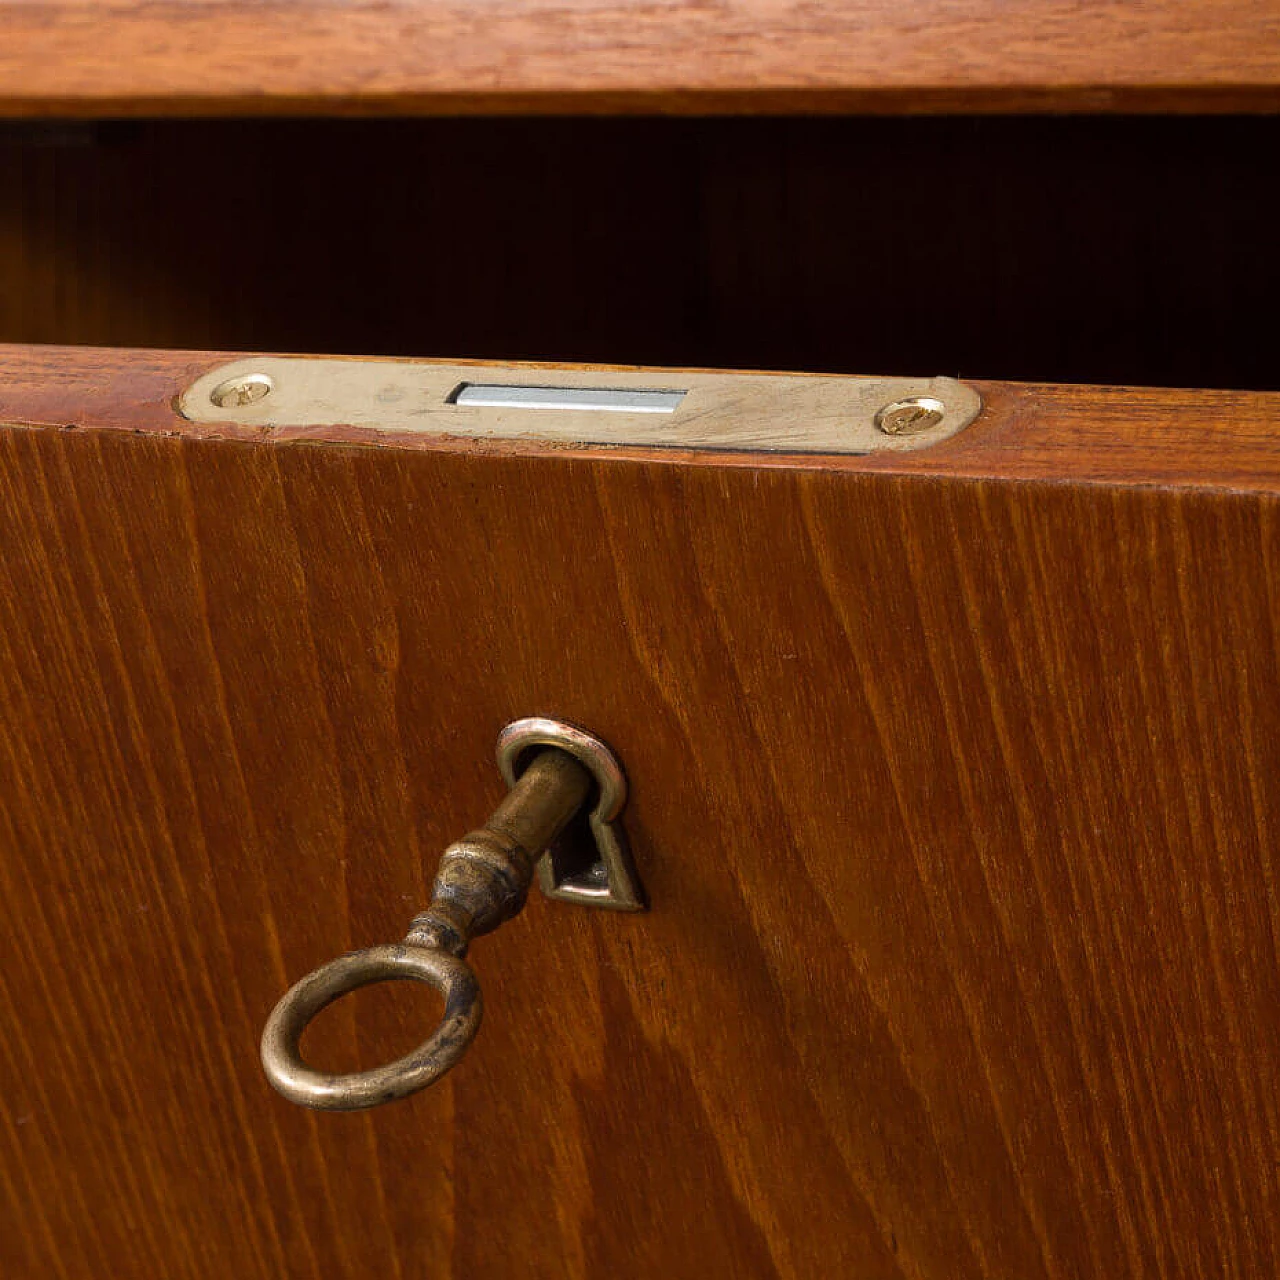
x=571 y=399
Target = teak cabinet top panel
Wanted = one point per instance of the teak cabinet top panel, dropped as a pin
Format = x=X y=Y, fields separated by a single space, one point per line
x=123 y=56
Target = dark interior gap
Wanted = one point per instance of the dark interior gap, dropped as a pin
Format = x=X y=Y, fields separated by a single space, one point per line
x=1112 y=250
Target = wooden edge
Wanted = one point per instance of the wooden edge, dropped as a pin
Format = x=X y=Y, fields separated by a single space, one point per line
x=885 y=100
x=1042 y=432
x=111 y=57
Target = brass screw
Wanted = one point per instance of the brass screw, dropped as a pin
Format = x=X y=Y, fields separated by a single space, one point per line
x=906 y=417
x=235 y=393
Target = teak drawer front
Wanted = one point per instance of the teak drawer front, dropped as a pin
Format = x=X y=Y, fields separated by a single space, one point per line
x=953 y=789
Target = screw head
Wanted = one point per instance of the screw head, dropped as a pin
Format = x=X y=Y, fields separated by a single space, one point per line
x=235 y=393
x=906 y=417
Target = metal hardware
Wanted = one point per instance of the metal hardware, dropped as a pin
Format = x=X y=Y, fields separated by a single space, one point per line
x=591 y=866
x=576 y=399
x=483 y=880
x=235 y=393
x=912 y=415
x=754 y=412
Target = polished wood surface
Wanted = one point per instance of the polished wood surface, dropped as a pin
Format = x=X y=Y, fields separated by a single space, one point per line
x=127 y=56
x=954 y=793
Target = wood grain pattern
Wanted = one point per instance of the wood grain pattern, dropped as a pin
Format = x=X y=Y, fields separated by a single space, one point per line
x=124 y=56
x=955 y=795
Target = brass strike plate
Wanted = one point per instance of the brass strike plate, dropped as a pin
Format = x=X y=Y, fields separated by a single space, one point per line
x=811 y=413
